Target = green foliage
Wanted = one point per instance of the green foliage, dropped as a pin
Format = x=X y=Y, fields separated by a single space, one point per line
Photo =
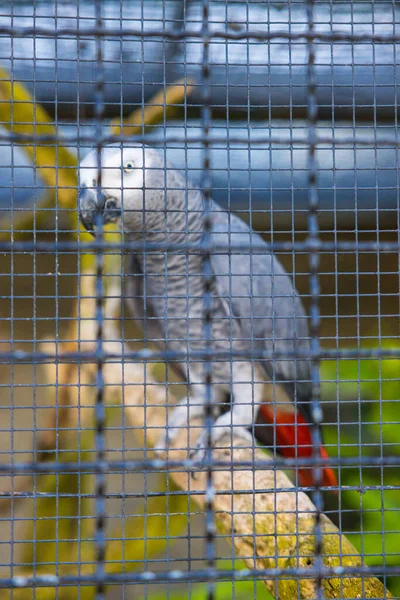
x=164 y=518
x=61 y=530
x=58 y=522
x=368 y=392
x=59 y=535
x=20 y=114
x=224 y=590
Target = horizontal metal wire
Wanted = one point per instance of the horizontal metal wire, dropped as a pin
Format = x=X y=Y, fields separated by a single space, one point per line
x=43 y=247
x=178 y=576
x=145 y=495
x=160 y=465
x=178 y=35
x=373 y=140
x=146 y=355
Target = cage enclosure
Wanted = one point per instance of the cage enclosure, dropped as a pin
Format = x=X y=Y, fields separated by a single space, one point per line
x=285 y=114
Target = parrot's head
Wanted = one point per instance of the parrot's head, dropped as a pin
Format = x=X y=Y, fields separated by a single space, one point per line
x=131 y=182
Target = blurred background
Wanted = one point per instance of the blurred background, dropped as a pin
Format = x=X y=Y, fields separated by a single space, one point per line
x=259 y=90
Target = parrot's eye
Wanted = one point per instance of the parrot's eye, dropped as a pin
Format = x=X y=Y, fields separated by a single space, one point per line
x=129 y=166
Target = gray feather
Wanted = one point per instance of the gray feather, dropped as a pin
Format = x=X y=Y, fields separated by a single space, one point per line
x=261 y=295
x=255 y=304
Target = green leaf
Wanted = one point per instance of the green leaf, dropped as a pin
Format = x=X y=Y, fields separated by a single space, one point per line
x=52 y=535
x=224 y=590
x=164 y=518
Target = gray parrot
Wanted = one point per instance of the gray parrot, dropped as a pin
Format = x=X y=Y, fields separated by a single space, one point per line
x=254 y=304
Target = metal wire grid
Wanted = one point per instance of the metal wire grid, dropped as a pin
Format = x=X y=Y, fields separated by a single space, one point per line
x=208 y=300
x=313 y=245
x=101 y=513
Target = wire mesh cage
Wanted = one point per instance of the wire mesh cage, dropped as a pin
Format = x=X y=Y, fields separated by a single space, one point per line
x=200 y=305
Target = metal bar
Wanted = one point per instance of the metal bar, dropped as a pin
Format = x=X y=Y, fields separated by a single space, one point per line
x=21 y=247
x=21 y=356
x=124 y=495
x=175 y=35
x=212 y=140
x=313 y=238
x=141 y=466
x=205 y=575
x=100 y=410
x=208 y=284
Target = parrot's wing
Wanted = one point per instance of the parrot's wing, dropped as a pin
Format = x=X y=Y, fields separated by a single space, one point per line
x=133 y=289
x=142 y=311
x=139 y=306
x=261 y=295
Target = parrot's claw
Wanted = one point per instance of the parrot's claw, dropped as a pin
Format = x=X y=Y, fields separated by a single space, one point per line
x=222 y=428
x=166 y=439
x=219 y=431
x=178 y=420
x=198 y=455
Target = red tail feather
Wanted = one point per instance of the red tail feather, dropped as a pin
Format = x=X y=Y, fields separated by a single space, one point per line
x=293 y=438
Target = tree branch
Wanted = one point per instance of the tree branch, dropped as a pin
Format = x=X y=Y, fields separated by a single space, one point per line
x=269 y=528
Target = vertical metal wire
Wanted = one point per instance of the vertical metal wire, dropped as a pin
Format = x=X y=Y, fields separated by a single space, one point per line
x=190 y=529
x=124 y=486
x=56 y=270
x=100 y=408
x=34 y=332
x=207 y=297
x=313 y=261
x=13 y=545
x=80 y=114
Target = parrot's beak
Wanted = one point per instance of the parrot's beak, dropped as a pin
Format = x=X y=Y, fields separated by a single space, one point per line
x=92 y=206
x=88 y=208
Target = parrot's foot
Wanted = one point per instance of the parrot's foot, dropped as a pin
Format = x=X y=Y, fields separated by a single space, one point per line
x=222 y=428
x=178 y=419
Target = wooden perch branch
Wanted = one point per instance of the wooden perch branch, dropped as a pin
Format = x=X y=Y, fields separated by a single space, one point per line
x=269 y=521
x=21 y=114
x=163 y=105
x=268 y=527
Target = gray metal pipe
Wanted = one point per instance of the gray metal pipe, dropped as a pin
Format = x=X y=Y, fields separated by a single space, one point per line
x=359 y=80
x=357 y=183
